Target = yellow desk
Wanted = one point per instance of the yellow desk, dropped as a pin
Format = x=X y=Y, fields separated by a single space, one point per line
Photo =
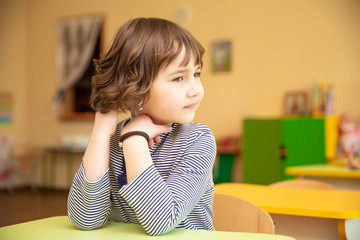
x=61 y=228
x=327 y=205
x=336 y=174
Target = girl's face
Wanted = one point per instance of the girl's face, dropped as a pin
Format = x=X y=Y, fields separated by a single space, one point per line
x=175 y=93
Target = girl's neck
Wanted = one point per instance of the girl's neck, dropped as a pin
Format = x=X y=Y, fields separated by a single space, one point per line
x=137 y=113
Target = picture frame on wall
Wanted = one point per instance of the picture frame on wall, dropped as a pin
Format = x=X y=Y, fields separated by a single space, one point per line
x=296 y=103
x=221 y=56
x=6 y=108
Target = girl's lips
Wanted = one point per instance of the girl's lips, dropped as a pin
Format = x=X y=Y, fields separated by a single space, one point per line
x=191 y=106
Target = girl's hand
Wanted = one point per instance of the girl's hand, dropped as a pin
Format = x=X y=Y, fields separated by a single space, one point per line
x=144 y=123
x=105 y=123
x=96 y=157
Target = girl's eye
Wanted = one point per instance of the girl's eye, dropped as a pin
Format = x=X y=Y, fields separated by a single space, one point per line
x=197 y=74
x=179 y=79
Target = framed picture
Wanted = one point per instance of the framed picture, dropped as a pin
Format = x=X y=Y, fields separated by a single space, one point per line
x=296 y=103
x=221 y=56
x=6 y=108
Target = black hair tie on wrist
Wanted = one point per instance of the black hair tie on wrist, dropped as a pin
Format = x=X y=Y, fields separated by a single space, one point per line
x=129 y=134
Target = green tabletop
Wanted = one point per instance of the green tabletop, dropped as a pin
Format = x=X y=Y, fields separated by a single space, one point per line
x=61 y=228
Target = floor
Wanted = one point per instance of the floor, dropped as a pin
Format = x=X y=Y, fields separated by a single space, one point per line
x=24 y=205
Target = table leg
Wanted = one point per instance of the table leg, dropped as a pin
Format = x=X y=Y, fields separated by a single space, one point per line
x=70 y=164
x=44 y=169
x=341 y=229
x=53 y=169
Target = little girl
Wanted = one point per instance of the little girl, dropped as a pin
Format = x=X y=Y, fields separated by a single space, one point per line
x=154 y=169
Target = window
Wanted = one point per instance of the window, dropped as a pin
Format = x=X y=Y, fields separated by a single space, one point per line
x=79 y=43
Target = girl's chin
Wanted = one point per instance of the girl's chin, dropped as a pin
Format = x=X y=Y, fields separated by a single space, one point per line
x=169 y=123
x=185 y=121
x=182 y=120
x=161 y=122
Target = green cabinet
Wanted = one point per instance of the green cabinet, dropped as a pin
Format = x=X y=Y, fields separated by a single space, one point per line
x=270 y=145
x=222 y=172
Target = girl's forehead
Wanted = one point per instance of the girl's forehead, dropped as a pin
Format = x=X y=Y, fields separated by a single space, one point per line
x=183 y=53
x=176 y=67
x=182 y=60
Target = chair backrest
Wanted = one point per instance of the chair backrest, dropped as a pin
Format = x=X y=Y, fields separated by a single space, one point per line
x=238 y=215
x=303 y=183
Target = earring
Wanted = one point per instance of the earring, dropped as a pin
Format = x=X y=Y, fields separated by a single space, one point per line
x=141 y=108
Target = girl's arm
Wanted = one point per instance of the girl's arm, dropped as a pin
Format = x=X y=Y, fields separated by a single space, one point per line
x=89 y=196
x=92 y=181
x=161 y=205
x=136 y=148
x=96 y=157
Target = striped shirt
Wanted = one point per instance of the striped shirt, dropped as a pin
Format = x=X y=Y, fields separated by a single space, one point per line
x=176 y=191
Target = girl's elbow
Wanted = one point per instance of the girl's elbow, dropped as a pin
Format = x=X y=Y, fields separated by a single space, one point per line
x=157 y=231
x=84 y=224
x=84 y=227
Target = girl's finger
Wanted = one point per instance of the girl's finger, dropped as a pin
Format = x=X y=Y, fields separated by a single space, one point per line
x=151 y=143
x=157 y=139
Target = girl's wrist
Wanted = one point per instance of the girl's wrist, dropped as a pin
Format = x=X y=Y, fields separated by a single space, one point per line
x=134 y=133
x=123 y=137
x=135 y=136
x=101 y=135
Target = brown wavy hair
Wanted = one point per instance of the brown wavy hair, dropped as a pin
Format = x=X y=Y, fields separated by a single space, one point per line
x=141 y=47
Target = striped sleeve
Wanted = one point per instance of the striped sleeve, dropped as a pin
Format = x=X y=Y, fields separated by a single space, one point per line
x=161 y=205
x=89 y=202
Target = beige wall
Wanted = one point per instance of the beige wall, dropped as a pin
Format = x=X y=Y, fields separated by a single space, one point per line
x=13 y=67
x=278 y=46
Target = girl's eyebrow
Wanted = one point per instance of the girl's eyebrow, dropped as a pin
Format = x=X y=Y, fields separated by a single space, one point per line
x=182 y=70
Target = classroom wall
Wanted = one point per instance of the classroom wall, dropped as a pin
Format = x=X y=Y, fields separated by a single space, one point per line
x=13 y=57
x=278 y=46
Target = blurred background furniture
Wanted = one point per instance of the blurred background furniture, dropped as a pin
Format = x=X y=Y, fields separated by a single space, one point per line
x=271 y=145
x=50 y=155
x=227 y=167
x=23 y=166
x=303 y=183
x=311 y=184
x=303 y=213
x=334 y=172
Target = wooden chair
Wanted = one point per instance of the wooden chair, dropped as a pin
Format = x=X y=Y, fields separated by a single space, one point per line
x=238 y=215
x=303 y=183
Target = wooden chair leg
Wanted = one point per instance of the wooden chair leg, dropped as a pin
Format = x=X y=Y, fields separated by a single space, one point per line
x=341 y=229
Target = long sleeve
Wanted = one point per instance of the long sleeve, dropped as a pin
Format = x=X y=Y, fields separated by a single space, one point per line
x=89 y=202
x=176 y=191
x=161 y=205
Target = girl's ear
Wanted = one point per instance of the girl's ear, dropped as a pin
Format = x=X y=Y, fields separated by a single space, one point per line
x=136 y=109
x=140 y=105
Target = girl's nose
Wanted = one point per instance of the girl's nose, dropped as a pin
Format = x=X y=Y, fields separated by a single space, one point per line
x=195 y=88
